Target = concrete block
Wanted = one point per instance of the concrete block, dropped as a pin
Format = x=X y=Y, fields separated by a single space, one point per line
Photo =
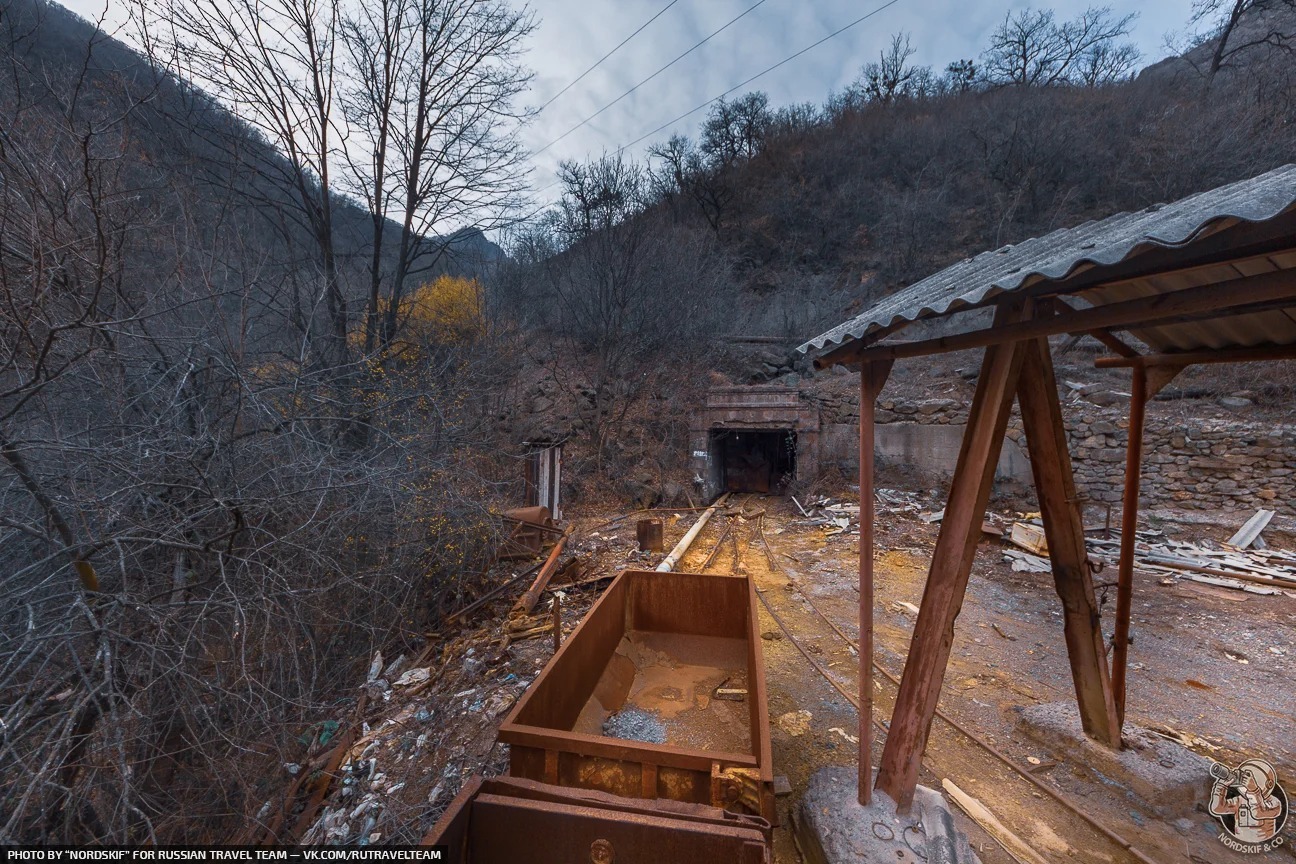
x=1167 y=777
x=832 y=828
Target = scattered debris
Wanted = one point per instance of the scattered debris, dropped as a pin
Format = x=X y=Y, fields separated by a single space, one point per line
x=1001 y=632
x=1029 y=537
x=730 y=694
x=905 y=606
x=412 y=677
x=1185 y=738
x=635 y=724
x=1250 y=532
x=843 y=733
x=795 y=723
x=1024 y=562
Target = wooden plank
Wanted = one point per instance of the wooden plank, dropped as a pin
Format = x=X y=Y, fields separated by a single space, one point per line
x=951 y=565
x=1012 y=844
x=873 y=378
x=1050 y=460
x=1247 y=534
x=1236 y=296
x=1033 y=540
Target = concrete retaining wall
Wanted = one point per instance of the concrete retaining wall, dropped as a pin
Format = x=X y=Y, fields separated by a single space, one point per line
x=1223 y=463
x=929 y=449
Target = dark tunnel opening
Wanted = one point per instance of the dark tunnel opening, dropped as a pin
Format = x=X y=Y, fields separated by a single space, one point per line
x=753 y=460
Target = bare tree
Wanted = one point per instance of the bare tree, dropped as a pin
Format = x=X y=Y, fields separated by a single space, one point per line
x=961 y=76
x=429 y=105
x=190 y=564
x=736 y=130
x=893 y=77
x=275 y=64
x=1274 y=26
x=1106 y=63
x=1030 y=48
x=681 y=169
x=627 y=289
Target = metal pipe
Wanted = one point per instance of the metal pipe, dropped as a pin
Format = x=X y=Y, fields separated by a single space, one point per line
x=491 y=594
x=529 y=599
x=1129 y=527
x=682 y=547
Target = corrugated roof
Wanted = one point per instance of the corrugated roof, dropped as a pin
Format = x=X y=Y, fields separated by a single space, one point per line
x=1055 y=256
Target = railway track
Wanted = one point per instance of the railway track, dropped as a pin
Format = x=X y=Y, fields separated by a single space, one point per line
x=982 y=769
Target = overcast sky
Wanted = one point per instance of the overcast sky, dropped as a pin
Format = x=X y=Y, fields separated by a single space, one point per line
x=573 y=34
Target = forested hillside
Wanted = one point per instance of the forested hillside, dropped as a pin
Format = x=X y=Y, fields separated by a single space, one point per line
x=820 y=208
x=240 y=444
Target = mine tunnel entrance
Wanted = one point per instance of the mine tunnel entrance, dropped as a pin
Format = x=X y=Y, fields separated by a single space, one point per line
x=752 y=460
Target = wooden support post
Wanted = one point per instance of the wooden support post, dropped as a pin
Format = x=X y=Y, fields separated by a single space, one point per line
x=1129 y=528
x=1050 y=460
x=951 y=565
x=557 y=622
x=872 y=378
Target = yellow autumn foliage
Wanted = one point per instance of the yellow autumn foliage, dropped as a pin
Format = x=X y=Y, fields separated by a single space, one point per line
x=446 y=311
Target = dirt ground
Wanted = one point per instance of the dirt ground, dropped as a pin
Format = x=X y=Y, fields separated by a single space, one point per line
x=1214 y=665
x=1008 y=653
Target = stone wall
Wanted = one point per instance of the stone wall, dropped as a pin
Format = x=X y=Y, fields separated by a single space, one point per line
x=1231 y=462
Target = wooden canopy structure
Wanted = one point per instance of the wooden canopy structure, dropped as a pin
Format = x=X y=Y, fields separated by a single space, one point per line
x=1207 y=279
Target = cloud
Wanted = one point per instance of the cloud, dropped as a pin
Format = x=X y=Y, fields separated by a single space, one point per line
x=573 y=34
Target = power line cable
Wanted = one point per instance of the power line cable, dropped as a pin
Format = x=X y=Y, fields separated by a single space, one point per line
x=738 y=86
x=619 y=46
x=695 y=46
x=763 y=72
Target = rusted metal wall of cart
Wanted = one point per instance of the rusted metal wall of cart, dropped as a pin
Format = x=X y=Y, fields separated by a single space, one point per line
x=539 y=730
x=507 y=820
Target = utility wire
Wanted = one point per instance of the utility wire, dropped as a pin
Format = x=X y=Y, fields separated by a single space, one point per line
x=765 y=71
x=619 y=46
x=696 y=46
x=739 y=86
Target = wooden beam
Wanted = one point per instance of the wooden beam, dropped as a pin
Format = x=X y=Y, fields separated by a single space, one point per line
x=1050 y=461
x=1158 y=377
x=873 y=378
x=1258 y=353
x=951 y=565
x=1129 y=527
x=1237 y=296
x=1111 y=341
